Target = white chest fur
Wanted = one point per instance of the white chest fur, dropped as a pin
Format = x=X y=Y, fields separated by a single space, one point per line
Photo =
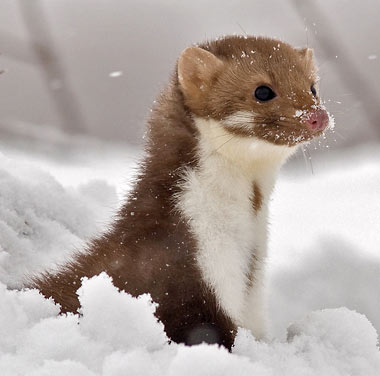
x=216 y=200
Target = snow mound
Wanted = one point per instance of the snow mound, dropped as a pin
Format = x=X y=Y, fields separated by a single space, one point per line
x=41 y=221
x=331 y=273
x=324 y=240
x=327 y=342
x=117 y=334
x=136 y=326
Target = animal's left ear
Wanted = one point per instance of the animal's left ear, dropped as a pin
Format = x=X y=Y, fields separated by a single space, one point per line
x=307 y=54
x=196 y=68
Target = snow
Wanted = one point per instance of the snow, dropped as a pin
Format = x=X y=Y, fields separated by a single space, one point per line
x=327 y=342
x=117 y=335
x=40 y=219
x=332 y=258
x=323 y=278
x=115 y=74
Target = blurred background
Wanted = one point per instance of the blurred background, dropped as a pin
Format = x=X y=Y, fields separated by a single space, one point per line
x=85 y=67
x=80 y=77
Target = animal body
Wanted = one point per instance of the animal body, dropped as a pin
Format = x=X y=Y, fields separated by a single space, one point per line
x=193 y=230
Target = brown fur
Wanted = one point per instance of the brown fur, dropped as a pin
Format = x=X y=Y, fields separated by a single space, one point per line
x=149 y=248
x=252 y=273
x=246 y=64
x=257 y=199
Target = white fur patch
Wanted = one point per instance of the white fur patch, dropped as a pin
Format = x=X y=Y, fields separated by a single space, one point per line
x=240 y=119
x=216 y=200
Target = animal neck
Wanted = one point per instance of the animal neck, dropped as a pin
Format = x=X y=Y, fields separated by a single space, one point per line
x=250 y=155
x=224 y=200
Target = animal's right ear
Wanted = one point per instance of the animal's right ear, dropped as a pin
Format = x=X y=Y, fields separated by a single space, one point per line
x=196 y=69
x=307 y=55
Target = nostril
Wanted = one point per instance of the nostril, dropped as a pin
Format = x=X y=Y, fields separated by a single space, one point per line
x=313 y=124
x=317 y=120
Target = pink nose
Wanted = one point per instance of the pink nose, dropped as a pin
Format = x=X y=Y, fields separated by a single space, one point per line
x=317 y=120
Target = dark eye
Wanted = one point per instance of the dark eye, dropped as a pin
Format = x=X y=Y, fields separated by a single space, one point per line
x=264 y=93
x=313 y=90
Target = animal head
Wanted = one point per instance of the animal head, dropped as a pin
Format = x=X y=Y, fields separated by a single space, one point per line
x=253 y=87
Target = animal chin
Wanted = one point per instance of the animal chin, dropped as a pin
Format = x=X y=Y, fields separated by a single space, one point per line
x=280 y=134
x=274 y=133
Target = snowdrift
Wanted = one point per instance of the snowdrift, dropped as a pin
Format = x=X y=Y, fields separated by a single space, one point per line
x=117 y=334
x=41 y=222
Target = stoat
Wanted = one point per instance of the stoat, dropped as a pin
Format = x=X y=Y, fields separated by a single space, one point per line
x=193 y=231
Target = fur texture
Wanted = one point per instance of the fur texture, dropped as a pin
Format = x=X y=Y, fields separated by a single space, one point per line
x=227 y=214
x=193 y=231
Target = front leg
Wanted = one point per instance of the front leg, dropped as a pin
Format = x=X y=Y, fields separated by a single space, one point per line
x=255 y=313
x=210 y=333
x=195 y=318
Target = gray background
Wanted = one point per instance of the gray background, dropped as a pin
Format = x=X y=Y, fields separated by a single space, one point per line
x=58 y=56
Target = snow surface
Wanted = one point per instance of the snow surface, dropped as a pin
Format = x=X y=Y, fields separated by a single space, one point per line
x=324 y=253
x=117 y=334
x=40 y=219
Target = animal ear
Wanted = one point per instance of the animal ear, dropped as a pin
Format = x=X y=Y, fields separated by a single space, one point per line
x=196 y=70
x=307 y=54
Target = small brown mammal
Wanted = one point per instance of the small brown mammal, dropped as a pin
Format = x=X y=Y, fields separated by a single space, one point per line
x=193 y=231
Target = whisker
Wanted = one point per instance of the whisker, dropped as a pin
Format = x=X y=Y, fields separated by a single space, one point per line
x=309 y=159
x=304 y=156
x=241 y=28
x=221 y=135
x=343 y=95
x=224 y=143
x=338 y=134
x=233 y=136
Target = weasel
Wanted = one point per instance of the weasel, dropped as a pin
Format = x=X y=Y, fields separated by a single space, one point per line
x=193 y=231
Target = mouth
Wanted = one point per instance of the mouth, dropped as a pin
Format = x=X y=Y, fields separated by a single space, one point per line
x=284 y=135
x=309 y=125
x=284 y=131
x=276 y=133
